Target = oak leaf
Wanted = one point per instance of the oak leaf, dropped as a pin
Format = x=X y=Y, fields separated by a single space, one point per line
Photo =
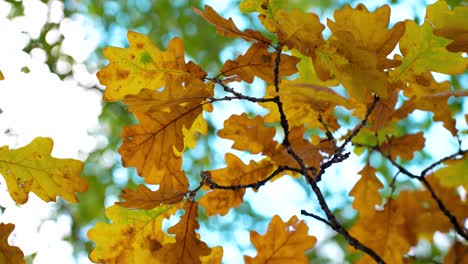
x=215 y=257
x=248 y=134
x=172 y=189
x=299 y=30
x=458 y=253
x=422 y=214
x=436 y=103
x=33 y=169
x=303 y=103
x=424 y=51
x=9 y=254
x=258 y=61
x=148 y=101
x=356 y=51
x=187 y=248
x=267 y=10
x=1 y=76
x=143 y=65
x=455 y=174
x=365 y=192
x=404 y=146
x=134 y=236
x=384 y=232
x=227 y=28
x=451 y=24
x=368 y=31
x=311 y=154
x=283 y=242
x=236 y=173
x=150 y=146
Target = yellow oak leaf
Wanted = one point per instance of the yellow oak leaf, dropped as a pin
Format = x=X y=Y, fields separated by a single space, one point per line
x=384 y=232
x=451 y=24
x=248 y=134
x=283 y=242
x=150 y=146
x=458 y=253
x=33 y=169
x=187 y=248
x=236 y=173
x=172 y=188
x=299 y=30
x=423 y=84
x=307 y=73
x=436 y=103
x=227 y=28
x=134 y=236
x=143 y=65
x=304 y=102
x=9 y=254
x=267 y=9
x=215 y=257
x=404 y=146
x=455 y=174
x=424 y=51
x=365 y=192
x=356 y=51
x=258 y=61
x=368 y=31
x=1 y=76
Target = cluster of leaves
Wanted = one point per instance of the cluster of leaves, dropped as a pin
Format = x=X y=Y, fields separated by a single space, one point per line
x=168 y=96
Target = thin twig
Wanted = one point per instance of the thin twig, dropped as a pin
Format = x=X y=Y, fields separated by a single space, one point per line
x=321 y=219
x=279 y=48
x=255 y=185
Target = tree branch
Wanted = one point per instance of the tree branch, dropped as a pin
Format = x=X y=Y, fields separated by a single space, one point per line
x=256 y=185
x=422 y=178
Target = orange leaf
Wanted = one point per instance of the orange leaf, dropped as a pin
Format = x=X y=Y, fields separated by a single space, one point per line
x=384 y=232
x=171 y=190
x=404 y=146
x=436 y=103
x=173 y=95
x=422 y=214
x=227 y=28
x=365 y=192
x=458 y=253
x=248 y=134
x=299 y=30
x=150 y=145
x=258 y=61
x=236 y=173
x=307 y=151
x=143 y=65
x=32 y=168
x=9 y=254
x=283 y=242
x=187 y=248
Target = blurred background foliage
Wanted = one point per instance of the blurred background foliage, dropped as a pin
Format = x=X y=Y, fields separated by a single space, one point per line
x=162 y=20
